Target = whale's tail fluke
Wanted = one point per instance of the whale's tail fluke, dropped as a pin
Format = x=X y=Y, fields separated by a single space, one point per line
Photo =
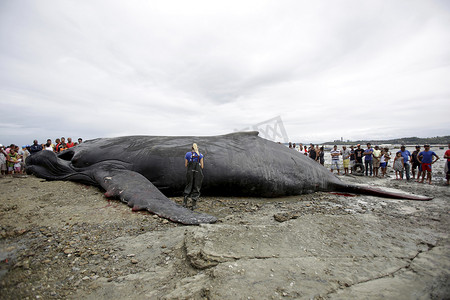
x=368 y=190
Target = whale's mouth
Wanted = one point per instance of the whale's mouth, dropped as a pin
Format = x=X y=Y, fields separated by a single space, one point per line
x=45 y=164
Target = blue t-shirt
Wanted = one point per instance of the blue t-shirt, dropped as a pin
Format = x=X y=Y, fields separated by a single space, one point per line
x=192 y=156
x=405 y=155
x=427 y=156
x=369 y=156
x=35 y=148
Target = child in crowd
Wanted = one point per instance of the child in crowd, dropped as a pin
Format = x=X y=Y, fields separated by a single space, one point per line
x=384 y=161
x=13 y=160
x=398 y=165
x=62 y=147
x=18 y=166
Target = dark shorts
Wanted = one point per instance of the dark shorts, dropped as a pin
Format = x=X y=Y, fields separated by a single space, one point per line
x=417 y=165
x=383 y=164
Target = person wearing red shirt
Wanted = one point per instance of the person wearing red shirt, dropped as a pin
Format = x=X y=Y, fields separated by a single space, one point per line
x=69 y=143
x=61 y=145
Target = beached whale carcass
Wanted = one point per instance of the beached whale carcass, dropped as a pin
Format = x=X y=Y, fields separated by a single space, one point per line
x=144 y=170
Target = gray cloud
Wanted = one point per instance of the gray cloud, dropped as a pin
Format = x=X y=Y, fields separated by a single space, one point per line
x=329 y=69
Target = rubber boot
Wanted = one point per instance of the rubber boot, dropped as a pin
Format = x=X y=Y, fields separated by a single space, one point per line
x=185 y=201
x=194 y=204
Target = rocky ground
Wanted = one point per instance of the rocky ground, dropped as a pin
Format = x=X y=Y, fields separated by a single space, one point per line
x=66 y=240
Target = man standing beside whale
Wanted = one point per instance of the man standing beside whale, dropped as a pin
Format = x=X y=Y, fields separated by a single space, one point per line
x=193 y=161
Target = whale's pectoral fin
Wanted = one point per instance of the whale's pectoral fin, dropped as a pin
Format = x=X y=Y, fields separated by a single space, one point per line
x=140 y=194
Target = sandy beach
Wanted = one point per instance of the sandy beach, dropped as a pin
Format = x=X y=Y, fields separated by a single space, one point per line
x=63 y=240
x=137 y=97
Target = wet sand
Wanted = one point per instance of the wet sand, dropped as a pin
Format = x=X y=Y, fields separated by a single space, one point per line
x=66 y=240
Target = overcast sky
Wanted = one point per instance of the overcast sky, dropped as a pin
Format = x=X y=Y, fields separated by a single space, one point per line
x=353 y=69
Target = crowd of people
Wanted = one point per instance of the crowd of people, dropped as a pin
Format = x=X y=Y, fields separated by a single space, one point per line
x=12 y=157
x=374 y=161
x=355 y=160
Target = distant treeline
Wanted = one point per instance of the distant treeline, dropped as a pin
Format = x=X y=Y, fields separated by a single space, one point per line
x=440 y=140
